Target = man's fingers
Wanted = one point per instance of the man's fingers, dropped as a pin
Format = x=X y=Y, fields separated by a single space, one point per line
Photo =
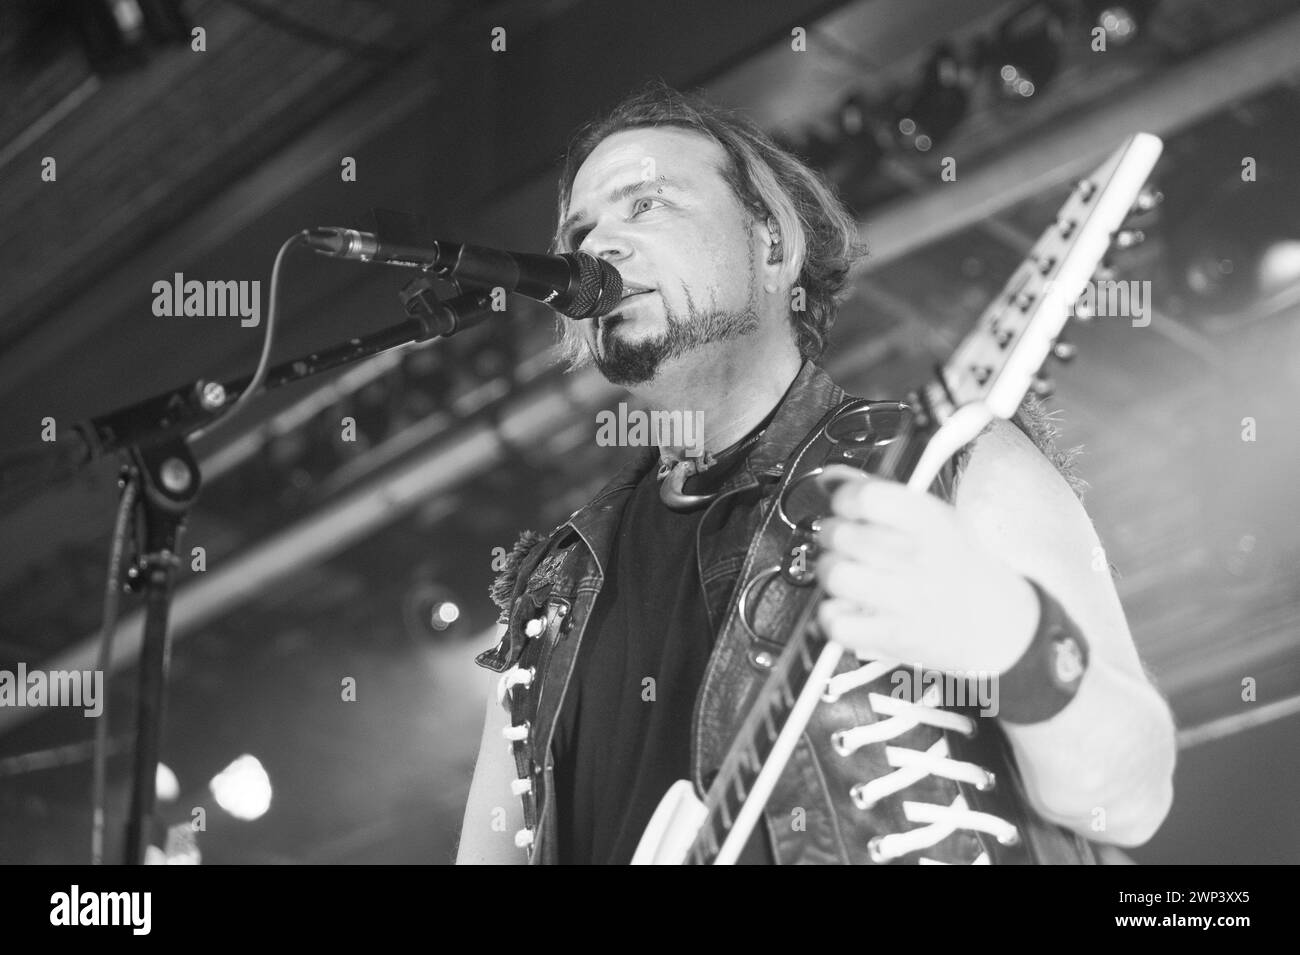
x=869 y=543
x=866 y=633
x=857 y=496
x=874 y=581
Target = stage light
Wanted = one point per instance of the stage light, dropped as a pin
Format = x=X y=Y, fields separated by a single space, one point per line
x=1122 y=20
x=429 y=610
x=1237 y=244
x=1209 y=273
x=1279 y=266
x=1119 y=24
x=444 y=615
x=1027 y=51
x=1225 y=273
x=927 y=115
x=243 y=789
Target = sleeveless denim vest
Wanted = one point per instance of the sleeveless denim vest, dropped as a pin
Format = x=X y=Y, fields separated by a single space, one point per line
x=547 y=593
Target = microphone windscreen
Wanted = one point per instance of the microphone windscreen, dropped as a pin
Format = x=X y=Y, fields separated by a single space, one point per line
x=600 y=287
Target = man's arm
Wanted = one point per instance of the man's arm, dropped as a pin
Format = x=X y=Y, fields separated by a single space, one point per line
x=492 y=813
x=1106 y=760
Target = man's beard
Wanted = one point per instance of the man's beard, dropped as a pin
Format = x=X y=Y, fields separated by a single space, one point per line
x=628 y=364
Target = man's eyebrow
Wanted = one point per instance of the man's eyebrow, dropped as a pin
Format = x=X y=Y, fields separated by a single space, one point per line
x=618 y=195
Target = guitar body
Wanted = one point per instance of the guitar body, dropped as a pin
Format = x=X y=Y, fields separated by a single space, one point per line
x=673 y=827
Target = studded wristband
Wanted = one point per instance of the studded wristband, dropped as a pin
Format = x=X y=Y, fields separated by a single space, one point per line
x=1047 y=676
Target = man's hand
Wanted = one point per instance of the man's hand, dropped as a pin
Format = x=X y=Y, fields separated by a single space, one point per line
x=907 y=580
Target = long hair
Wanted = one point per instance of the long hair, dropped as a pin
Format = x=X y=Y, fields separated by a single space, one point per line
x=819 y=236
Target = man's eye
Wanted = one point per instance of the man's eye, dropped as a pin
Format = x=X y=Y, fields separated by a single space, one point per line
x=638 y=208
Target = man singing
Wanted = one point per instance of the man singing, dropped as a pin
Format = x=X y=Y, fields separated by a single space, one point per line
x=622 y=667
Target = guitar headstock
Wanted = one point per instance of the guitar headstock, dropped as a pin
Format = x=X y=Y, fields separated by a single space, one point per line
x=999 y=361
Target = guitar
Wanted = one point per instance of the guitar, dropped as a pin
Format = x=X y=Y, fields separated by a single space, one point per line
x=987 y=376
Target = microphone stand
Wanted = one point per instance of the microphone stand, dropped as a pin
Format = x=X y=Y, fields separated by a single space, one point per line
x=151 y=434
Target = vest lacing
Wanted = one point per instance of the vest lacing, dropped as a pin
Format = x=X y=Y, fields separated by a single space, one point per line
x=512 y=733
x=911 y=765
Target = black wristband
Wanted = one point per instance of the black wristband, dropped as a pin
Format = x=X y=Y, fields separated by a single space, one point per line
x=1047 y=676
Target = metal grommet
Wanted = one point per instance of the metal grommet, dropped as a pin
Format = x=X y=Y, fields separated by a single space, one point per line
x=524 y=838
x=534 y=626
x=743 y=602
x=873 y=851
x=837 y=744
x=764 y=659
x=858 y=794
x=989 y=784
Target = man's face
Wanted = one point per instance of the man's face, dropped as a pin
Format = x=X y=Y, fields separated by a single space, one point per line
x=653 y=203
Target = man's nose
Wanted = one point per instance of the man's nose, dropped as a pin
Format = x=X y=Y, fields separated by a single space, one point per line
x=607 y=244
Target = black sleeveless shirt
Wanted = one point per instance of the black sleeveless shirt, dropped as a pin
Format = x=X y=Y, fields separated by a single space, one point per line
x=623 y=732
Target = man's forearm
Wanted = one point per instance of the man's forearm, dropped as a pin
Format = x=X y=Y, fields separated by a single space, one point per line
x=1103 y=766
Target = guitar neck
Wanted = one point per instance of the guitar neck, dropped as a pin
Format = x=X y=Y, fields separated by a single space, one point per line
x=996 y=363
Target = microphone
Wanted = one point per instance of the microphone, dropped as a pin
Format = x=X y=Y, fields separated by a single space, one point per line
x=577 y=285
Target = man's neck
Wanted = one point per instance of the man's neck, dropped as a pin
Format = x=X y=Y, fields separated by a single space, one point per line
x=725 y=399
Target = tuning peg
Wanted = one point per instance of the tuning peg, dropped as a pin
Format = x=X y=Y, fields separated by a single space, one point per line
x=1127 y=238
x=1063 y=351
x=1148 y=199
x=1043 y=386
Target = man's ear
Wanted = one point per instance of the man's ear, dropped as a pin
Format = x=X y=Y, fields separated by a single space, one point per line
x=769 y=234
x=776 y=251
